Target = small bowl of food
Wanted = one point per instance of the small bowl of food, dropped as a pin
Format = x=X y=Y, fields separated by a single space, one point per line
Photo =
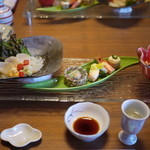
x=144 y=58
x=87 y=121
x=21 y=135
x=75 y=76
x=123 y=6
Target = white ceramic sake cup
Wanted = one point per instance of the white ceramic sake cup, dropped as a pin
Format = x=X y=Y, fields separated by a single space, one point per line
x=134 y=115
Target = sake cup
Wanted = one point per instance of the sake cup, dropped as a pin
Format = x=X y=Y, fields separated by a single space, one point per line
x=134 y=115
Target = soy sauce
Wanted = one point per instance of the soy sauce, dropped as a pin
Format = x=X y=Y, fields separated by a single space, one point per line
x=86 y=125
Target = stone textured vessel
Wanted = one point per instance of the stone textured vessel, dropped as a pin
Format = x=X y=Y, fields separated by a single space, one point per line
x=6 y=15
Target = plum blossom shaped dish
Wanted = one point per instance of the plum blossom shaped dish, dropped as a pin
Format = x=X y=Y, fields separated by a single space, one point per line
x=21 y=135
x=144 y=58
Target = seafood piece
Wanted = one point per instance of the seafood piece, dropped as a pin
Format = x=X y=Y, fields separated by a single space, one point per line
x=14 y=60
x=36 y=64
x=72 y=1
x=114 y=61
x=94 y=72
x=107 y=66
x=20 y=66
x=22 y=57
x=93 y=75
x=76 y=4
x=75 y=76
x=65 y=4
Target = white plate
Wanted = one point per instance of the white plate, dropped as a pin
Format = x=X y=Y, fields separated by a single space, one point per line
x=21 y=135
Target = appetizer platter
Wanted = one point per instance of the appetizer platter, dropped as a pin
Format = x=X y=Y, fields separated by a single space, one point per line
x=81 y=77
x=30 y=59
x=34 y=60
x=100 y=10
x=78 y=5
x=72 y=6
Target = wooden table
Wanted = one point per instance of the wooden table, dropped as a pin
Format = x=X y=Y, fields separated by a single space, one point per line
x=87 y=38
x=81 y=38
x=49 y=118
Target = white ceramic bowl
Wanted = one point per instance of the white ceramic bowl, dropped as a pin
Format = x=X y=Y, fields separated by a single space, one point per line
x=21 y=135
x=87 y=109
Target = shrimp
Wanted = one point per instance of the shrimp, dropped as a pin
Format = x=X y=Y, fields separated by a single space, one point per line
x=76 y=4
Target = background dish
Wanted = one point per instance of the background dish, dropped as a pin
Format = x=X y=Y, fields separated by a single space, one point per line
x=130 y=5
x=59 y=8
x=60 y=86
x=126 y=9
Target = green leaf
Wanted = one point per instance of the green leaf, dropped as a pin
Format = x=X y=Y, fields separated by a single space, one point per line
x=60 y=86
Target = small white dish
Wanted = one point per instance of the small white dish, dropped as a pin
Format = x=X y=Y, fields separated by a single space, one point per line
x=89 y=110
x=21 y=135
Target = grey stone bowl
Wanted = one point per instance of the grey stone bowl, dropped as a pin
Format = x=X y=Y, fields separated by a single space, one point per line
x=51 y=50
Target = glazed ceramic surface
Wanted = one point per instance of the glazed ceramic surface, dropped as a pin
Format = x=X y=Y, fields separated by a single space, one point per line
x=87 y=109
x=6 y=15
x=144 y=58
x=21 y=135
x=50 y=49
x=130 y=124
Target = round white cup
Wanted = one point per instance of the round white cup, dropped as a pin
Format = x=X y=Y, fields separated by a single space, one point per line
x=134 y=114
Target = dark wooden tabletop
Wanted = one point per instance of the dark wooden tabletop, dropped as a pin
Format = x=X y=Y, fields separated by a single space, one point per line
x=85 y=39
x=49 y=118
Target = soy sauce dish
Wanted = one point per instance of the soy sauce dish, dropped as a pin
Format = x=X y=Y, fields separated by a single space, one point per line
x=21 y=135
x=87 y=121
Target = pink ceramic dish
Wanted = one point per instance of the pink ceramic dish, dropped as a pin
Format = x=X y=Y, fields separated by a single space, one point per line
x=144 y=58
x=46 y=3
